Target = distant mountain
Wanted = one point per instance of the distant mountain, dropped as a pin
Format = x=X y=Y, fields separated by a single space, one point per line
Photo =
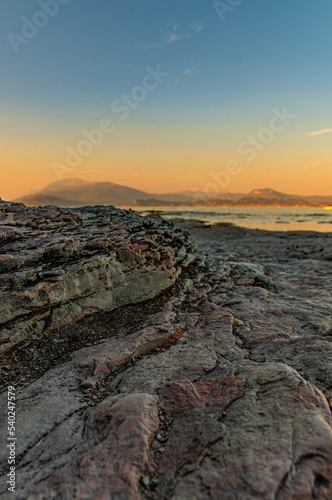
x=202 y=195
x=258 y=201
x=77 y=192
x=256 y=198
x=64 y=184
x=319 y=199
x=170 y=197
x=269 y=194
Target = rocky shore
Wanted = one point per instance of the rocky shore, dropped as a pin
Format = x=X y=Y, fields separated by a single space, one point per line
x=146 y=368
x=58 y=265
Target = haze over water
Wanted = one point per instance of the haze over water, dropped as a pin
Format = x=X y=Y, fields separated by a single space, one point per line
x=268 y=218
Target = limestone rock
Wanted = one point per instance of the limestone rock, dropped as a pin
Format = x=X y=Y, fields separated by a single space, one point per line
x=58 y=265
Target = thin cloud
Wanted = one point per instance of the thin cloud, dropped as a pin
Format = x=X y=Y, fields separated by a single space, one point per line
x=175 y=36
x=319 y=132
x=188 y=71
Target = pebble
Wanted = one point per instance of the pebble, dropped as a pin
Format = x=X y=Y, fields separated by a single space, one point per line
x=146 y=481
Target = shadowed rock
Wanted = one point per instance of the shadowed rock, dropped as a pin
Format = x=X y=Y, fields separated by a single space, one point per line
x=58 y=265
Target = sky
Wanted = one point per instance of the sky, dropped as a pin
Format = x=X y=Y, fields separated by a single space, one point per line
x=165 y=96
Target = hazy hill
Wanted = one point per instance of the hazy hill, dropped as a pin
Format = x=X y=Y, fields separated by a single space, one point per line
x=258 y=201
x=198 y=195
x=319 y=199
x=268 y=194
x=271 y=194
x=65 y=184
x=77 y=192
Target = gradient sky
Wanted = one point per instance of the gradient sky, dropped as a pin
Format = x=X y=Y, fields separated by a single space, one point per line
x=226 y=78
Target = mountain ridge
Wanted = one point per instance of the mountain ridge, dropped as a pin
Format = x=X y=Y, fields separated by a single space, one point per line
x=74 y=192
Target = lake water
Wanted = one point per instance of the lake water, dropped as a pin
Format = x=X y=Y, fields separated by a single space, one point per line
x=270 y=218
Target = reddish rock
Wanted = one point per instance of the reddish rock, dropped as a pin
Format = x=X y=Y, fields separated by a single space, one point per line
x=119 y=433
x=178 y=397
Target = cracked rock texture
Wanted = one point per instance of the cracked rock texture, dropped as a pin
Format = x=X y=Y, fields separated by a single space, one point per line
x=58 y=265
x=222 y=394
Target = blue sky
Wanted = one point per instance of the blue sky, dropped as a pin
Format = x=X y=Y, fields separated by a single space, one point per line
x=225 y=78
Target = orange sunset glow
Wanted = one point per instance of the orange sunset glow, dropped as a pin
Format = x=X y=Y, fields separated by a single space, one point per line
x=169 y=160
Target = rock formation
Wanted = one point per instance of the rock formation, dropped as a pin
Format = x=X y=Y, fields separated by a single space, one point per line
x=59 y=265
x=222 y=390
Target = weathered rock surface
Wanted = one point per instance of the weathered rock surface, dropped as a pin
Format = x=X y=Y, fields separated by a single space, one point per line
x=58 y=265
x=223 y=394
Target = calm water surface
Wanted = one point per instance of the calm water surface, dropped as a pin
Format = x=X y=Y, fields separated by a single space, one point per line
x=270 y=218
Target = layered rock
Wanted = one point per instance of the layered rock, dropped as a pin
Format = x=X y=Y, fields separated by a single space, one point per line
x=59 y=265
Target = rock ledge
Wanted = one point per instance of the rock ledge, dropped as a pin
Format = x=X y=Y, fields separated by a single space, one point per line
x=58 y=265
